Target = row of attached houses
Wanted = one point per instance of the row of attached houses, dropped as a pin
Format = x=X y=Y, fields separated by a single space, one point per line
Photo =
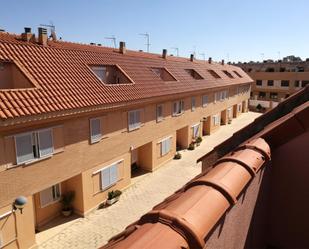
x=76 y=117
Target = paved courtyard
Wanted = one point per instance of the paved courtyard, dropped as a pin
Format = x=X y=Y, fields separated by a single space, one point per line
x=145 y=192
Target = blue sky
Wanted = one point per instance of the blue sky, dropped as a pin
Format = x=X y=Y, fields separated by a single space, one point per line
x=235 y=29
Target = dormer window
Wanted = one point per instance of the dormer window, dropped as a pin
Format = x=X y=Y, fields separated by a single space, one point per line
x=194 y=74
x=238 y=74
x=111 y=74
x=214 y=74
x=12 y=77
x=163 y=74
x=228 y=74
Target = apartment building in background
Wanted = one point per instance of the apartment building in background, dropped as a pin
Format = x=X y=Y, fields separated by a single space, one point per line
x=275 y=80
x=76 y=117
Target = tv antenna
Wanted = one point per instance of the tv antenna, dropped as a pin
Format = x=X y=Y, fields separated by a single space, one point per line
x=113 y=39
x=177 y=50
x=203 y=55
x=52 y=28
x=146 y=35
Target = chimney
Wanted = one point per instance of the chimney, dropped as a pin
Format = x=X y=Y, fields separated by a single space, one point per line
x=164 y=53
x=209 y=60
x=42 y=39
x=122 y=47
x=27 y=35
x=222 y=62
x=191 y=57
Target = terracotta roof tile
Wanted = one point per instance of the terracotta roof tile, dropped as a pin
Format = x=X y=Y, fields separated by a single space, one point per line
x=63 y=79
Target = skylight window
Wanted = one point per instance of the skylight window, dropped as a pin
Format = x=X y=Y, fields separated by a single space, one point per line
x=214 y=74
x=194 y=74
x=111 y=74
x=163 y=74
x=228 y=74
x=238 y=74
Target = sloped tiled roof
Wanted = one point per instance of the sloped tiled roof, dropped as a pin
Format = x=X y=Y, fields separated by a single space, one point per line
x=60 y=71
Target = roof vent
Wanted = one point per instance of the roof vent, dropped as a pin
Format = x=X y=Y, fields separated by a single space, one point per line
x=92 y=43
x=222 y=62
x=209 y=60
x=164 y=53
x=27 y=35
x=191 y=57
x=42 y=36
x=122 y=47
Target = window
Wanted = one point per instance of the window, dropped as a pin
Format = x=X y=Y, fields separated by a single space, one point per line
x=238 y=74
x=214 y=74
x=111 y=74
x=178 y=107
x=109 y=176
x=50 y=195
x=285 y=83
x=194 y=74
x=258 y=82
x=221 y=96
x=159 y=113
x=270 y=82
x=228 y=74
x=204 y=100
x=262 y=95
x=166 y=146
x=297 y=83
x=216 y=119
x=100 y=72
x=193 y=103
x=282 y=69
x=195 y=131
x=163 y=74
x=134 y=119
x=33 y=145
x=239 y=107
x=273 y=95
x=270 y=69
x=95 y=130
x=304 y=83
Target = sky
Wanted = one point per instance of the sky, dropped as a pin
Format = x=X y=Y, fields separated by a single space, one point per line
x=234 y=30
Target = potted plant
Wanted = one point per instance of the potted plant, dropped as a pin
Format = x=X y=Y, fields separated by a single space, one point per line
x=198 y=141
x=177 y=156
x=229 y=121
x=191 y=146
x=66 y=200
x=113 y=196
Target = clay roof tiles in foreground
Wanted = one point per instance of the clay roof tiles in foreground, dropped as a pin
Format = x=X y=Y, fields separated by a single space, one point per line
x=184 y=219
x=63 y=80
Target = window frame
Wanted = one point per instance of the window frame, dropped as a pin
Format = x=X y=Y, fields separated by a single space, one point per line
x=203 y=98
x=100 y=124
x=258 y=82
x=137 y=125
x=198 y=130
x=159 y=118
x=193 y=103
x=163 y=151
x=180 y=108
x=35 y=143
x=216 y=119
x=54 y=200
x=111 y=184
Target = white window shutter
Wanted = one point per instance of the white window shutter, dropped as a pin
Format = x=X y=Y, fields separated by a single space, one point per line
x=95 y=130
x=46 y=197
x=113 y=174
x=24 y=149
x=45 y=142
x=105 y=178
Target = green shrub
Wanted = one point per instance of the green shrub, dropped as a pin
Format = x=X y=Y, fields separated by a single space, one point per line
x=177 y=156
x=67 y=199
x=199 y=139
x=191 y=146
x=113 y=194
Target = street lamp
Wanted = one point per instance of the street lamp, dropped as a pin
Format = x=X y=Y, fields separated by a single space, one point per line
x=19 y=203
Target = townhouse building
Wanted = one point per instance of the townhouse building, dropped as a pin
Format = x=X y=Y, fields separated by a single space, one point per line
x=76 y=117
x=275 y=80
